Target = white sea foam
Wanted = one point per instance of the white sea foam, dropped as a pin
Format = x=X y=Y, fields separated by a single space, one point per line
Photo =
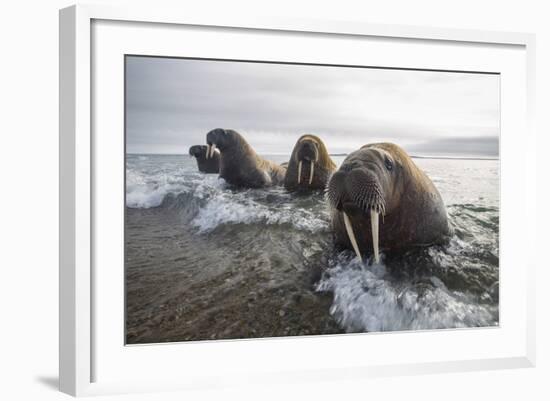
x=220 y=205
x=365 y=299
x=145 y=191
x=144 y=197
x=235 y=208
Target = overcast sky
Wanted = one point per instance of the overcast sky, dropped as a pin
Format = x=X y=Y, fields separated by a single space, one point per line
x=172 y=103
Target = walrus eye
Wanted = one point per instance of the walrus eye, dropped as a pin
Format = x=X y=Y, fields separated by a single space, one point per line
x=389 y=164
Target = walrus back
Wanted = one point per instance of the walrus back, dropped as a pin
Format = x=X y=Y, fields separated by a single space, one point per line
x=275 y=171
x=243 y=167
x=425 y=190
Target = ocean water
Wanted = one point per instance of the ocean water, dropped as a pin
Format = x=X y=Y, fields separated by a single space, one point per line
x=207 y=261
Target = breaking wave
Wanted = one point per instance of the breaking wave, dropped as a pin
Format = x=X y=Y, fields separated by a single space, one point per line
x=223 y=209
x=365 y=299
x=220 y=204
x=439 y=287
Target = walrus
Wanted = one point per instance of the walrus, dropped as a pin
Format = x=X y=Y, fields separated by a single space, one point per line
x=240 y=165
x=310 y=165
x=207 y=162
x=381 y=179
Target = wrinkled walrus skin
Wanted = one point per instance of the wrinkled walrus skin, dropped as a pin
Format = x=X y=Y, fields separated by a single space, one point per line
x=379 y=189
x=210 y=164
x=310 y=165
x=240 y=165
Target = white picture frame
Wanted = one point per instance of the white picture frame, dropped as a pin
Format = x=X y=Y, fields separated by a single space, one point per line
x=83 y=341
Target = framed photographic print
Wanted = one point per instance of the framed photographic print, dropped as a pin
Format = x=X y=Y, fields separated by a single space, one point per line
x=270 y=201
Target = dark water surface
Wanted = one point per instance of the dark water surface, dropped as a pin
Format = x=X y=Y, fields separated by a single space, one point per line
x=205 y=261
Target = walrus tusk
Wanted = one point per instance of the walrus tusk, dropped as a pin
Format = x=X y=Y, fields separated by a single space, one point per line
x=374 y=229
x=311 y=172
x=212 y=149
x=351 y=236
x=299 y=171
x=207 y=151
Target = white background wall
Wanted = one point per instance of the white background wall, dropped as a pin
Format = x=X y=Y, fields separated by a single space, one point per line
x=29 y=187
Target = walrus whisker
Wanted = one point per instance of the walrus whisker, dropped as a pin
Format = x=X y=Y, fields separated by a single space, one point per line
x=299 y=171
x=311 y=167
x=351 y=236
x=374 y=229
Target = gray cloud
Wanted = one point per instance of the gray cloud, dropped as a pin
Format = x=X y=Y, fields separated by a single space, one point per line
x=172 y=103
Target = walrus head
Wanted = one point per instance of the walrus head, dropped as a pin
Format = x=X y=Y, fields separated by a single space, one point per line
x=197 y=151
x=221 y=139
x=368 y=184
x=307 y=150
